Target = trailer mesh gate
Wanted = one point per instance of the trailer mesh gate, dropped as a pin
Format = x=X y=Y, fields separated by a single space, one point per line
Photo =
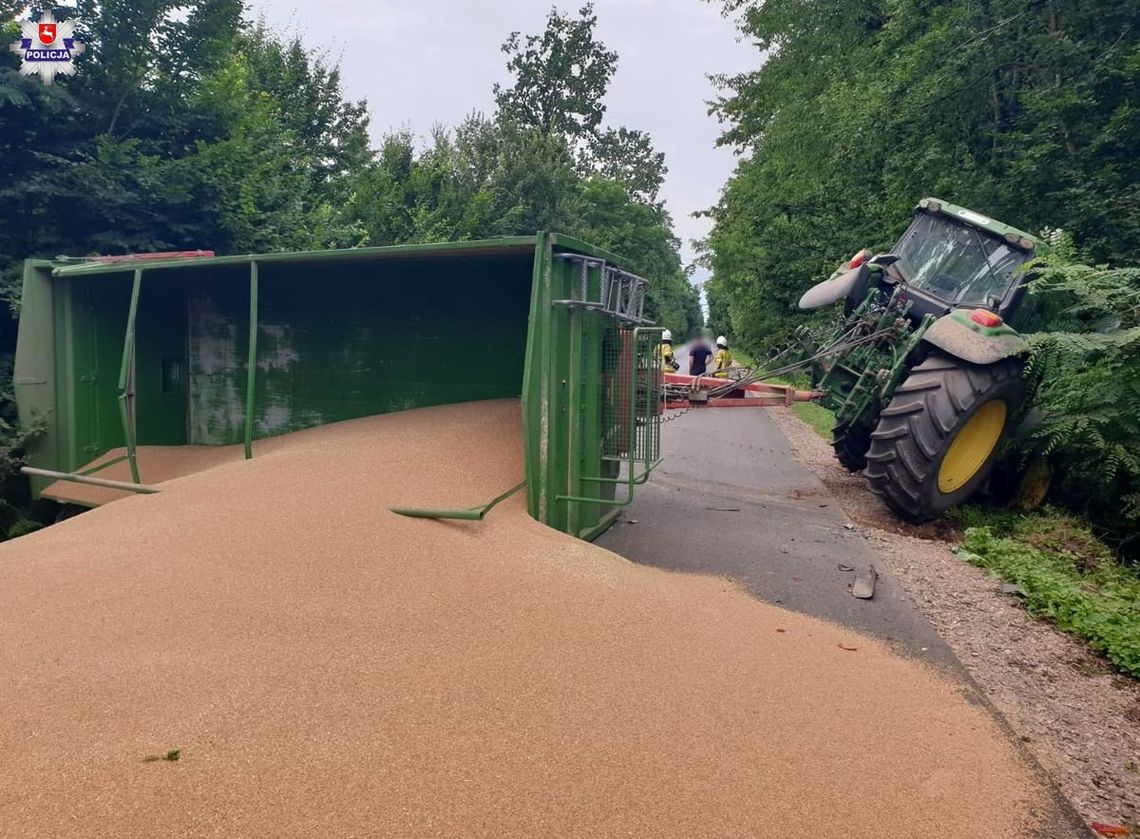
x=631 y=409
x=614 y=389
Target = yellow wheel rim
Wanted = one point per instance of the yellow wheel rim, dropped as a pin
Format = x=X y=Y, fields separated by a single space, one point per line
x=1035 y=485
x=972 y=446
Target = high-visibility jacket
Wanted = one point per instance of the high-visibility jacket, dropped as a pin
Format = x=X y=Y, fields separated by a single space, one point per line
x=723 y=360
x=665 y=351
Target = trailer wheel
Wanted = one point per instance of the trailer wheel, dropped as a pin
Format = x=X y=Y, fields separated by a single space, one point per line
x=938 y=440
x=850 y=444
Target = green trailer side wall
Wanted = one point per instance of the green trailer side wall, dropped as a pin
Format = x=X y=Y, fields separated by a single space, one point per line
x=160 y=362
x=95 y=324
x=89 y=327
x=562 y=395
x=34 y=376
x=340 y=342
x=334 y=343
x=416 y=334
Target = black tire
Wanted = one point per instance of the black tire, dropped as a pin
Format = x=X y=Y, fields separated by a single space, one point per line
x=850 y=444
x=915 y=431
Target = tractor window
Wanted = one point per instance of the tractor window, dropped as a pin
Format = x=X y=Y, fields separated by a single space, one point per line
x=955 y=263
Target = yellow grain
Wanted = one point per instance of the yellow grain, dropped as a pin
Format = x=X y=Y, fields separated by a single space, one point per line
x=330 y=669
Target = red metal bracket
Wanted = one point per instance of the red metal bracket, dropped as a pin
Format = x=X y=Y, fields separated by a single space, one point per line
x=752 y=395
x=147 y=257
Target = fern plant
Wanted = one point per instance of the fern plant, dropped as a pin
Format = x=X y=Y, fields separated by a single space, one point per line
x=1086 y=378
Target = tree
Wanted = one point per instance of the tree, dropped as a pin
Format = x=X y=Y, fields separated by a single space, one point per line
x=1026 y=113
x=628 y=156
x=330 y=133
x=564 y=170
x=184 y=129
x=561 y=77
x=719 y=320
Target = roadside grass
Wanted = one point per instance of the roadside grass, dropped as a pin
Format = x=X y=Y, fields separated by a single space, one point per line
x=744 y=359
x=819 y=418
x=1064 y=575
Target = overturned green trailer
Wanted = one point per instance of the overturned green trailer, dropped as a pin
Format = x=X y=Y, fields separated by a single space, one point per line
x=129 y=361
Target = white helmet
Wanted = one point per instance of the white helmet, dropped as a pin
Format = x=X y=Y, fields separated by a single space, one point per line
x=721 y=341
x=666 y=335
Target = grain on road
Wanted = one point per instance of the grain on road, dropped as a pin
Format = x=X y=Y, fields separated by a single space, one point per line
x=329 y=668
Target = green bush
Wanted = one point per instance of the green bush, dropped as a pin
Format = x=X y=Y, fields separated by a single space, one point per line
x=1063 y=580
x=1086 y=373
x=23 y=527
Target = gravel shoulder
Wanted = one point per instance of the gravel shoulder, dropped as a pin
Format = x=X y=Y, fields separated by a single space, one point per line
x=1078 y=718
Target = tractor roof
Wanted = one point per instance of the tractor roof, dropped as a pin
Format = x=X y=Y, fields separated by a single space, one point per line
x=967 y=216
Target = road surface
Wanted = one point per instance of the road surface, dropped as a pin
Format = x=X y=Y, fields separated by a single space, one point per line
x=730 y=499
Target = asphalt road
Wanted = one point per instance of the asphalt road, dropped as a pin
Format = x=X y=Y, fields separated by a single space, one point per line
x=730 y=499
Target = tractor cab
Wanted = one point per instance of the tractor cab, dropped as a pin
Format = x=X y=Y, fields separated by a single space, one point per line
x=949 y=258
x=952 y=258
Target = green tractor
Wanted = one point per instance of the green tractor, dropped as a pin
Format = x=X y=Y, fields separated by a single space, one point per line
x=925 y=373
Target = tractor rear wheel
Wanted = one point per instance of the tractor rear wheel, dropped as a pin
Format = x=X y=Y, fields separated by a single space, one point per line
x=938 y=440
x=850 y=443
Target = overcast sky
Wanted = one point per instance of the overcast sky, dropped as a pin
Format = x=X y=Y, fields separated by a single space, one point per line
x=419 y=62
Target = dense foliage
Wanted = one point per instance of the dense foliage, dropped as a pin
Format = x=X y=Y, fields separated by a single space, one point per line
x=187 y=128
x=1066 y=580
x=1028 y=112
x=1087 y=372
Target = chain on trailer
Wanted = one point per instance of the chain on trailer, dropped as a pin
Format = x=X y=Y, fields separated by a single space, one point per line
x=676 y=414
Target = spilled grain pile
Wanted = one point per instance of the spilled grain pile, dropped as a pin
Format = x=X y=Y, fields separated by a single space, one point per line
x=330 y=669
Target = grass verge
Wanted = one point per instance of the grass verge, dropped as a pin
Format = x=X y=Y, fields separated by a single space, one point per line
x=1064 y=575
x=818 y=417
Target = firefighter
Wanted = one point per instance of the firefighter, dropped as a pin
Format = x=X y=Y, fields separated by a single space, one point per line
x=665 y=350
x=723 y=358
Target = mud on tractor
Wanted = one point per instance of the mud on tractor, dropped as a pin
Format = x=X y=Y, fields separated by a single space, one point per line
x=925 y=372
